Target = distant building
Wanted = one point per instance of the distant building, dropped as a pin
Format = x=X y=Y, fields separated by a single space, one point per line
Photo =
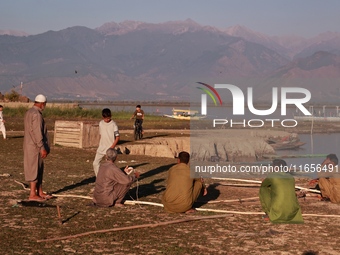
x=24 y=99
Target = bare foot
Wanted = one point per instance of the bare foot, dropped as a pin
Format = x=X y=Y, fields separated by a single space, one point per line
x=265 y=217
x=119 y=205
x=45 y=196
x=192 y=210
x=36 y=198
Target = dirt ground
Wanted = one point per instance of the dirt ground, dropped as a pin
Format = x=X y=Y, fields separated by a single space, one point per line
x=27 y=227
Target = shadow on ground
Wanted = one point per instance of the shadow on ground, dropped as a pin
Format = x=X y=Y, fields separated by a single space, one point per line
x=212 y=195
x=78 y=184
x=155 y=171
x=146 y=190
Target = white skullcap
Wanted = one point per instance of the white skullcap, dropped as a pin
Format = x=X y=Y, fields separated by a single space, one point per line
x=40 y=98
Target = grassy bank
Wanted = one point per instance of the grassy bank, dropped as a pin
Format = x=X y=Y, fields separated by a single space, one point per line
x=14 y=118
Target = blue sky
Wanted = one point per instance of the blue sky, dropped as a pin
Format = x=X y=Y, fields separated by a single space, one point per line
x=273 y=17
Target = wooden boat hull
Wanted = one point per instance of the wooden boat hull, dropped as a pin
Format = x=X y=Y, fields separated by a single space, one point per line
x=178 y=117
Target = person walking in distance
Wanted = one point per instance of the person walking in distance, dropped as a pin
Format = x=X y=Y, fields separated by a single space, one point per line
x=2 y=123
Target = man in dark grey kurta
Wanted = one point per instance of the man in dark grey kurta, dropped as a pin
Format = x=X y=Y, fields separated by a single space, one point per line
x=112 y=183
x=36 y=148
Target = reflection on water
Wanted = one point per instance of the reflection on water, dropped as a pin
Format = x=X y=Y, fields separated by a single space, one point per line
x=315 y=144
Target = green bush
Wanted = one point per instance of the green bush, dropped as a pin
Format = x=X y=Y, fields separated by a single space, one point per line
x=13 y=96
x=15 y=111
x=66 y=113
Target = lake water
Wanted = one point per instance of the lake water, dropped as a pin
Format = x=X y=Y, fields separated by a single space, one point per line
x=214 y=112
x=153 y=109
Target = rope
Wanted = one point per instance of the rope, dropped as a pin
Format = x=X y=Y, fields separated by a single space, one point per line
x=22 y=184
x=137 y=191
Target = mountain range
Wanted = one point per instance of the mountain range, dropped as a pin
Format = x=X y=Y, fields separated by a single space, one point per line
x=135 y=61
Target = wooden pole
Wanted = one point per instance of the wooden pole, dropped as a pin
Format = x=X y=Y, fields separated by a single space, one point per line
x=59 y=215
x=75 y=196
x=254 y=181
x=241 y=200
x=152 y=225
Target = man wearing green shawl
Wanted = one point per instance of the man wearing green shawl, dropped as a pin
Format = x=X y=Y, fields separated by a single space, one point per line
x=277 y=195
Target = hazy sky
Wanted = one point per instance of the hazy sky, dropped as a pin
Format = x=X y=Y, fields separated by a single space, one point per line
x=273 y=17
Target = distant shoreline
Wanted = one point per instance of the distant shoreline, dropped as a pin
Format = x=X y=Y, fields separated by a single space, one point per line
x=27 y=105
x=145 y=103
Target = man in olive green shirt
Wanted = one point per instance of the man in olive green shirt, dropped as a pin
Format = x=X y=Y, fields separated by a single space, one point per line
x=181 y=191
x=329 y=179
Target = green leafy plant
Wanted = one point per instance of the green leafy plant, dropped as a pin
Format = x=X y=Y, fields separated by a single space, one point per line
x=13 y=96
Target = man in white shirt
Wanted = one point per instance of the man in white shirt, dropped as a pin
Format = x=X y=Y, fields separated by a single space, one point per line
x=2 y=123
x=109 y=137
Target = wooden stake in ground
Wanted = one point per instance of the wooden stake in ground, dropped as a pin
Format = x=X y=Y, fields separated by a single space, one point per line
x=59 y=215
x=135 y=227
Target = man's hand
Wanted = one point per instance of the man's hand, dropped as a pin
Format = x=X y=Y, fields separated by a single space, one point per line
x=43 y=153
x=313 y=182
x=205 y=191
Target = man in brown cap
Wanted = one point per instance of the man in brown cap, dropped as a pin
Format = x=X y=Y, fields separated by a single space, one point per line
x=36 y=148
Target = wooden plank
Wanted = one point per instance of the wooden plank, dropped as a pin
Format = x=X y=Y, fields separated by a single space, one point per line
x=67 y=124
x=67 y=129
x=81 y=135
x=69 y=134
